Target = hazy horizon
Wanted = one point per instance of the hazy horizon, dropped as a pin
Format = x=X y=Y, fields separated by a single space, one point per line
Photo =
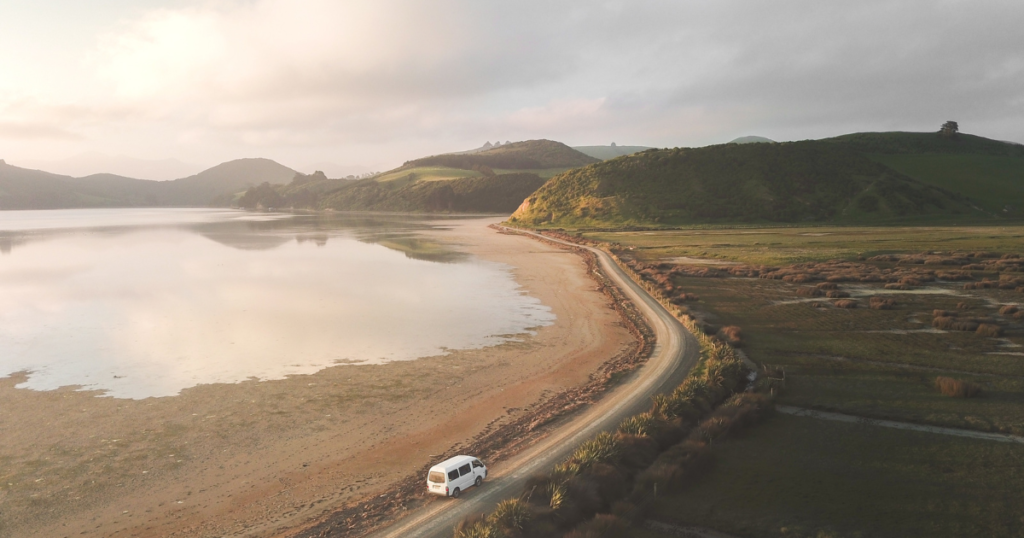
x=367 y=85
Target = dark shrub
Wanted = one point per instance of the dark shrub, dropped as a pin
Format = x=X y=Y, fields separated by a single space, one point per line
x=635 y=452
x=602 y=526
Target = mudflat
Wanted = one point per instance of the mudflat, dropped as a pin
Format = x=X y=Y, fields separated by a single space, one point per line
x=254 y=458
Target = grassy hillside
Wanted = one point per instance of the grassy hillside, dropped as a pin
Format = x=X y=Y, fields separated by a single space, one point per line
x=528 y=155
x=609 y=152
x=482 y=194
x=21 y=188
x=489 y=181
x=860 y=178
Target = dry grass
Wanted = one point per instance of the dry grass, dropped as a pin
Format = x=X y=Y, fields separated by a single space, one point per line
x=948 y=323
x=732 y=335
x=989 y=329
x=1009 y=310
x=957 y=388
x=882 y=303
x=845 y=303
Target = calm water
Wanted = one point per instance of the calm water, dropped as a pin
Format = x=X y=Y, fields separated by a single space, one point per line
x=147 y=302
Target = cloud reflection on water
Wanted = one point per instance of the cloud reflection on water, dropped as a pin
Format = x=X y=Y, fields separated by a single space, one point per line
x=149 y=310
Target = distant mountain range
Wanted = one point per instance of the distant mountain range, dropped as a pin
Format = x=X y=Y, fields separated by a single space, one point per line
x=858 y=178
x=93 y=162
x=609 y=152
x=752 y=140
x=21 y=188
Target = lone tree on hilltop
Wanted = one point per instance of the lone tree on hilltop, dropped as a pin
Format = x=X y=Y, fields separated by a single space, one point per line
x=949 y=129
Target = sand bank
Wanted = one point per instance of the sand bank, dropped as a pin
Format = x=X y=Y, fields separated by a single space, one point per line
x=252 y=458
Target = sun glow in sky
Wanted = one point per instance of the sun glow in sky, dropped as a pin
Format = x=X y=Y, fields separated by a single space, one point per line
x=369 y=84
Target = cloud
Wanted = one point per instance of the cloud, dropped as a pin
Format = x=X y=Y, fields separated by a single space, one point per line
x=389 y=80
x=35 y=131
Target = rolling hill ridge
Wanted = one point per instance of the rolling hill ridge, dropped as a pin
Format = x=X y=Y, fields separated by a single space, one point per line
x=21 y=188
x=859 y=178
x=493 y=180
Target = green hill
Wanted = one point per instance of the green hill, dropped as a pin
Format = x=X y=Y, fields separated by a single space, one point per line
x=528 y=155
x=500 y=193
x=488 y=181
x=860 y=178
x=609 y=152
x=989 y=172
x=21 y=188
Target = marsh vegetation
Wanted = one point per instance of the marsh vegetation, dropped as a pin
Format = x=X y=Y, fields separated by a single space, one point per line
x=915 y=325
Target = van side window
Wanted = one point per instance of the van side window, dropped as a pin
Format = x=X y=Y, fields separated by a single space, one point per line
x=476 y=463
x=464 y=470
x=453 y=475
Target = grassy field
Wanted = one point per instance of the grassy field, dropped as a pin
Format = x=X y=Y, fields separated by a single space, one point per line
x=801 y=477
x=782 y=245
x=426 y=173
x=993 y=181
x=808 y=477
x=546 y=173
x=854 y=360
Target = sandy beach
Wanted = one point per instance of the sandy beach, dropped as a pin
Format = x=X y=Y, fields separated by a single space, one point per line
x=256 y=458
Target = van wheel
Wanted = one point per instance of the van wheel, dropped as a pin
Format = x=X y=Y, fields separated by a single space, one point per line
x=479 y=481
x=455 y=493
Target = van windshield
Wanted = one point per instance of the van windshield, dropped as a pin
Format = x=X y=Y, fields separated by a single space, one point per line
x=436 y=477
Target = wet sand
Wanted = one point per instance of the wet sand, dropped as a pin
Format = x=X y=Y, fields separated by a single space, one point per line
x=253 y=458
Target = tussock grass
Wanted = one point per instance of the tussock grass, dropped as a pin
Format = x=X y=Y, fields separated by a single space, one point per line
x=882 y=303
x=732 y=335
x=510 y=514
x=957 y=388
x=845 y=303
x=642 y=425
x=949 y=323
x=989 y=329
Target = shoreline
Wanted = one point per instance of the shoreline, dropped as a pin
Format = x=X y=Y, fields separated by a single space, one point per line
x=368 y=516
x=258 y=458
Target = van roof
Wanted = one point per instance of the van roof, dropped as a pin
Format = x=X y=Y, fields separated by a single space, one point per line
x=454 y=462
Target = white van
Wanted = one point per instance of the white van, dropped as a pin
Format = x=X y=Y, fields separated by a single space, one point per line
x=452 y=476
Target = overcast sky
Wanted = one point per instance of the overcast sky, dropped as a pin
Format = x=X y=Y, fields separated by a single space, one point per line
x=369 y=84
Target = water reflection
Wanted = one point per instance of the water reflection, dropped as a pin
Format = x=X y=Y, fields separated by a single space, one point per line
x=149 y=304
x=237 y=229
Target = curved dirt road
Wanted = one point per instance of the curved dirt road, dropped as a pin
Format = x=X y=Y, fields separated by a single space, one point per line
x=675 y=353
